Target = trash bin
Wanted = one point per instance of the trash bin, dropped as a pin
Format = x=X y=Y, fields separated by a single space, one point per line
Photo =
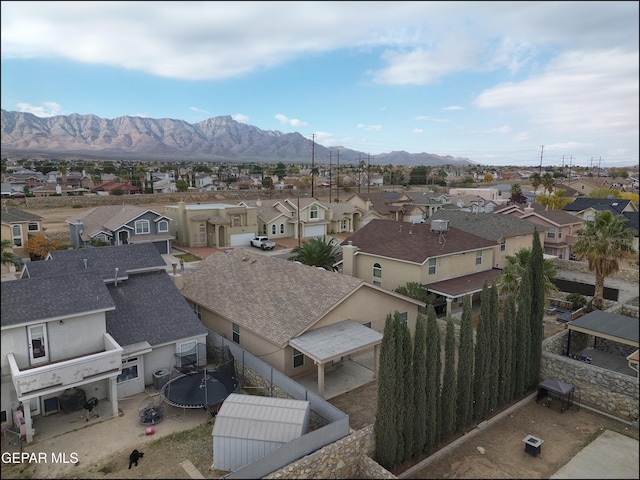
x=160 y=377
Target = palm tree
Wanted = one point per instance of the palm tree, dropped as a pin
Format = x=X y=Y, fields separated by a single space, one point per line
x=8 y=257
x=604 y=241
x=317 y=252
x=536 y=181
x=548 y=182
x=514 y=269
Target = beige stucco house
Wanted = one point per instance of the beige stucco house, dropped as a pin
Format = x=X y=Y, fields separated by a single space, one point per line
x=17 y=227
x=450 y=262
x=296 y=318
x=212 y=224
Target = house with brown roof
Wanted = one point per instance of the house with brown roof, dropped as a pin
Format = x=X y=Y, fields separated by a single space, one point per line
x=561 y=227
x=449 y=262
x=297 y=318
x=387 y=205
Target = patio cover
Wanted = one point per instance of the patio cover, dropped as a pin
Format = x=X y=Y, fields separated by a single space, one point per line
x=465 y=285
x=612 y=326
x=332 y=342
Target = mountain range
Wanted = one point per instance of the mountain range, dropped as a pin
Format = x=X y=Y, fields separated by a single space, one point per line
x=162 y=139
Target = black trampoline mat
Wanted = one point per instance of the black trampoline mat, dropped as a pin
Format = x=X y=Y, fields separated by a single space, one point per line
x=195 y=390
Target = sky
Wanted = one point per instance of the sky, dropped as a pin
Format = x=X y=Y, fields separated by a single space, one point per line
x=500 y=83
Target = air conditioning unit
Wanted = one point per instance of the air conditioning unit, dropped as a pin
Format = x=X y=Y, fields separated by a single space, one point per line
x=439 y=226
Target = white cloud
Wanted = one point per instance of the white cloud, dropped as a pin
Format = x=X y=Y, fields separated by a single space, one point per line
x=47 y=109
x=370 y=128
x=239 y=117
x=452 y=108
x=294 y=122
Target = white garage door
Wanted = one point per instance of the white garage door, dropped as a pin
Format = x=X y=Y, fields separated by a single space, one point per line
x=314 y=231
x=241 y=239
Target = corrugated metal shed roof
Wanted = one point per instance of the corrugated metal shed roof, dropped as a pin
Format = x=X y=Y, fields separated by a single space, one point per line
x=261 y=418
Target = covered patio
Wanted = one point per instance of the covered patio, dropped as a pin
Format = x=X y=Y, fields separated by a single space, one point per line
x=331 y=345
x=457 y=288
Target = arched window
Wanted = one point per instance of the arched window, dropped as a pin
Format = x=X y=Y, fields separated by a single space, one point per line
x=273 y=229
x=377 y=274
x=281 y=228
x=314 y=212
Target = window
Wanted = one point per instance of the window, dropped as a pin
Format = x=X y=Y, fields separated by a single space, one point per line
x=281 y=228
x=16 y=233
x=432 y=266
x=404 y=317
x=129 y=371
x=236 y=221
x=142 y=227
x=200 y=236
x=377 y=270
x=314 y=212
x=264 y=229
x=298 y=358
x=198 y=311
x=236 y=333
x=163 y=226
x=273 y=229
x=343 y=224
x=551 y=233
x=33 y=227
x=479 y=257
x=503 y=245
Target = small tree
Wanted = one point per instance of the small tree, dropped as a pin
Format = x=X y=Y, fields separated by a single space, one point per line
x=8 y=257
x=385 y=423
x=317 y=252
x=577 y=301
x=448 y=392
x=39 y=246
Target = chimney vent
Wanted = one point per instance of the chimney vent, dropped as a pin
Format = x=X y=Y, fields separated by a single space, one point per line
x=86 y=263
x=115 y=284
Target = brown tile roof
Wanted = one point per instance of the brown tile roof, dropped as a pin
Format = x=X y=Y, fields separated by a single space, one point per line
x=413 y=242
x=274 y=298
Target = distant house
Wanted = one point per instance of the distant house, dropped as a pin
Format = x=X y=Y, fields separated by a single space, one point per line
x=120 y=225
x=430 y=201
x=509 y=233
x=101 y=319
x=108 y=188
x=212 y=224
x=18 y=226
x=561 y=227
x=449 y=262
x=298 y=319
x=387 y=205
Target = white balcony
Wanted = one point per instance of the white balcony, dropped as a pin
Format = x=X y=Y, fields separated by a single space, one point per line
x=67 y=373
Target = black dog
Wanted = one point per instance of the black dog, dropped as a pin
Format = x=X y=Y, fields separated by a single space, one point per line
x=134 y=457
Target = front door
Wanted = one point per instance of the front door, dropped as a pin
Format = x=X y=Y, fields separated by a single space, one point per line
x=38 y=346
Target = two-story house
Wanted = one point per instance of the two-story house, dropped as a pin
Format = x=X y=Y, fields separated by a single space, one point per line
x=121 y=225
x=212 y=224
x=430 y=201
x=561 y=227
x=586 y=208
x=509 y=233
x=387 y=205
x=299 y=319
x=18 y=226
x=449 y=262
x=102 y=319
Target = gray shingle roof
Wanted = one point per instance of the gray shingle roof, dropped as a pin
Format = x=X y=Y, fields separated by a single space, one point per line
x=487 y=225
x=413 y=242
x=137 y=257
x=14 y=215
x=39 y=299
x=275 y=298
x=149 y=307
x=108 y=218
x=615 y=206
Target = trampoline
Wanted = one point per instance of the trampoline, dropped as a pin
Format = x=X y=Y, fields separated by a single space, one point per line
x=198 y=387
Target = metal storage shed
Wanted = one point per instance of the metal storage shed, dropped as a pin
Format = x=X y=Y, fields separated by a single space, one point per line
x=249 y=427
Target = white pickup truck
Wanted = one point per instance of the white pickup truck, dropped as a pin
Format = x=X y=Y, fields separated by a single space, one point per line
x=263 y=242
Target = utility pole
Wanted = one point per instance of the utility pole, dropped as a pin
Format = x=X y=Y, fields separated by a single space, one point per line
x=540 y=169
x=599 y=163
x=368 y=172
x=359 y=173
x=330 y=169
x=338 y=179
x=313 y=144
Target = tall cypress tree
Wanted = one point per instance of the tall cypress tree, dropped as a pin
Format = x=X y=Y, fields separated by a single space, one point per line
x=507 y=360
x=433 y=378
x=494 y=339
x=405 y=405
x=385 y=424
x=419 y=387
x=482 y=357
x=523 y=334
x=448 y=392
x=510 y=313
x=536 y=266
x=464 y=391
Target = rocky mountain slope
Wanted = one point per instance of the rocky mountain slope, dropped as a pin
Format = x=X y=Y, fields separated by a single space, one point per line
x=141 y=138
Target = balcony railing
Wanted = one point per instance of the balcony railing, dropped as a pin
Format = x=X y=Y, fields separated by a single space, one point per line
x=67 y=373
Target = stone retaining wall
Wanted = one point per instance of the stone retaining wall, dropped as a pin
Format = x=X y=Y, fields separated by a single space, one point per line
x=627 y=274
x=610 y=392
